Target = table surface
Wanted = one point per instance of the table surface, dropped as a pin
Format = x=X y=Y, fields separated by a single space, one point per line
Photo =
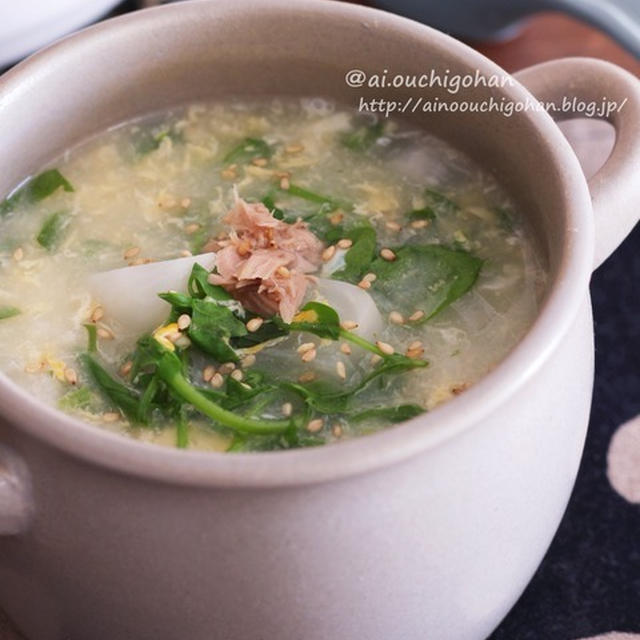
x=589 y=581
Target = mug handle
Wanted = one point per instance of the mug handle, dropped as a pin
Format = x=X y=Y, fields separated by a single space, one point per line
x=16 y=504
x=570 y=85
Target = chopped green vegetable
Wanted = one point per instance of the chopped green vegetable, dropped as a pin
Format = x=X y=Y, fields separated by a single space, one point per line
x=426 y=213
x=182 y=428
x=399 y=413
x=52 y=230
x=247 y=150
x=9 y=312
x=200 y=287
x=361 y=254
x=150 y=140
x=120 y=395
x=438 y=202
x=363 y=137
x=36 y=189
x=212 y=325
x=436 y=275
x=81 y=398
x=311 y=196
x=92 y=335
x=169 y=368
x=319 y=319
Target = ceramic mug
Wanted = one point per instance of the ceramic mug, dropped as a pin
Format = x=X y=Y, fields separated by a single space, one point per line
x=430 y=529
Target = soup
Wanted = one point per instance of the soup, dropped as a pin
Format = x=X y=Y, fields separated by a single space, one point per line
x=254 y=276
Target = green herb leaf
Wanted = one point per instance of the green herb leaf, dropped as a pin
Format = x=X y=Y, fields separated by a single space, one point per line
x=395 y=414
x=44 y=184
x=247 y=150
x=359 y=257
x=363 y=137
x=435 y=275
x=200 y=287
x=52 y=230
x=148 y=140
x=81 y=398
x=438 y=202
x=38 y=188
x=269 y=330
x=92 y=337
x=9 y=312
x=212 y=325
x=319 y=319
x=119 y=394
x=426 y=213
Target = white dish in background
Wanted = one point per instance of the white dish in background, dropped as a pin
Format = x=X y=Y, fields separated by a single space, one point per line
x=30 y=24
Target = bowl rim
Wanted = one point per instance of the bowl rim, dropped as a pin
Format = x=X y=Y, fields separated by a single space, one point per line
x=333 y=461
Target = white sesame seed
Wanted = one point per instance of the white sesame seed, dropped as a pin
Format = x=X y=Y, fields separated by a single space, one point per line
x=71 y=376
x=341 y=370
x=307 y=376
x=208 y=372
x=387 y=254
x=185 y=203
x=336 y=430
x=237 y=374
x=396 y=317
x=392 y=226
x=417 y=315
x=105 y=333
x=385 y=347
x=336 y=218
x=348 y=325
x=414 y=353
x=131 y=253
x=18 y=254
x=416 y=344
x=248 y=361
x=182 y=341
x=185 y=253
x=308 y=356
x=191 y=228
x=375 y=358
x=125 y=369
x=285 y=184
x=216 y=381
x=419 y=224
x=306 y=346
x=97 y=314
x=328 y=253
x=227 y=367
x=314 y=426
x=259 y=162
x=345 y=243
x=283 y=272
x=287 y=409
x=184 y=321
x=111 y=416
x=254 y=324
x=345 y=348
x=364 y=284
x=370 y=277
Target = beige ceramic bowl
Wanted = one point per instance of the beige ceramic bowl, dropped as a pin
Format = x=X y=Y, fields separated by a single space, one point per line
x=426 y=531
